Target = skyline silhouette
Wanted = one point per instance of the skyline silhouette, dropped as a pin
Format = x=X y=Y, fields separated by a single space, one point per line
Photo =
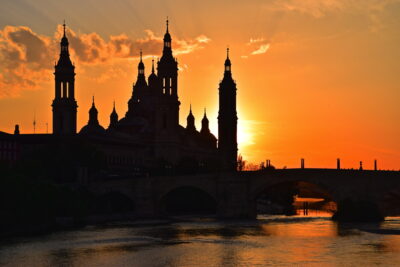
x=199 y=133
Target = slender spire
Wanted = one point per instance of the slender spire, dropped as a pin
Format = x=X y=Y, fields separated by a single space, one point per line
x=167 y=23
x=64 y=27
x=141 y=55
x=114 y=111
x=34 y=122
x=93 y=101
x=152 y=65
x=227 y=52
x=205 y=115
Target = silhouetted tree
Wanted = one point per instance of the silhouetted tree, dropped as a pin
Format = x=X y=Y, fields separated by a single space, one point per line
x=241 y=163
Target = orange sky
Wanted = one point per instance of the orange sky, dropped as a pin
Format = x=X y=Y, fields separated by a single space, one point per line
x=316 y=79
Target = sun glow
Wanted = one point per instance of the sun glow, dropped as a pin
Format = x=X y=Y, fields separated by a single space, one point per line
x=245 y=134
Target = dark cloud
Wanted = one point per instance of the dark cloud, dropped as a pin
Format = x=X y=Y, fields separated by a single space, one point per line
x=26 y=58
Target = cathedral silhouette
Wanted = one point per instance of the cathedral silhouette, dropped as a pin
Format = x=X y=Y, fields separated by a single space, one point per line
x=149 y=136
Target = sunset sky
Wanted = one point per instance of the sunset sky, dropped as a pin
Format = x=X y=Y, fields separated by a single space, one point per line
x=317 y=80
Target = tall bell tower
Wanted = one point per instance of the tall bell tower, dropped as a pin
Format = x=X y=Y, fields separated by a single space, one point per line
x=167 y=69
x=227 y=119
x=64 y=103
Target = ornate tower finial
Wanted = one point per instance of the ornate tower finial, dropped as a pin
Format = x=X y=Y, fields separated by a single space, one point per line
x=152 y=65
x=141 y=54
x=64 y=27
x=167 y=23
x=93 y=100
x=227 y=52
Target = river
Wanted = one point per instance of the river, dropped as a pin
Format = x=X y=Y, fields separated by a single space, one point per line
x=269 y=241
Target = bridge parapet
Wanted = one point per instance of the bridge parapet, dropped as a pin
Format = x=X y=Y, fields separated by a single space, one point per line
x=235 y=192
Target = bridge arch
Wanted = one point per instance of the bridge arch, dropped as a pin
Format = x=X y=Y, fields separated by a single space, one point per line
x=286 y=196
x=389 y=202
x=261 y=183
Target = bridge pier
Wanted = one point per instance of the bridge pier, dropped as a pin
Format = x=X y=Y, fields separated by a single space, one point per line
x=358 y=210
x=233 y=198
x=145 y=205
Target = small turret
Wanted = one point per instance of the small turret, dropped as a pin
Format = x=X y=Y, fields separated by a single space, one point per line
x=113 y=118
x=93 y=114
x=93 y=127
x=204 y=124
x=153 y=79
x=190 y=121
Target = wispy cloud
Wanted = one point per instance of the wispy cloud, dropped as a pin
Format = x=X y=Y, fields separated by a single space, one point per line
x=257 y=46
x=26 y=58
x=261 y=50
x=373 y=9
x=315 y=8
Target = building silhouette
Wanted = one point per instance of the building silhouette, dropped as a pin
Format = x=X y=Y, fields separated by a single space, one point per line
x=149 y=136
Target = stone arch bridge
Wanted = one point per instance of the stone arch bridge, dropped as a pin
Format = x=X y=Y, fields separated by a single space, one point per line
x=235 y=193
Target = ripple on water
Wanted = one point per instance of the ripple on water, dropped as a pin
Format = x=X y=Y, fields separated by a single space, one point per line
x=273 y=240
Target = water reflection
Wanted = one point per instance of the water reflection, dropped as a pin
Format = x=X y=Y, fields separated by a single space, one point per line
x=272 y=240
